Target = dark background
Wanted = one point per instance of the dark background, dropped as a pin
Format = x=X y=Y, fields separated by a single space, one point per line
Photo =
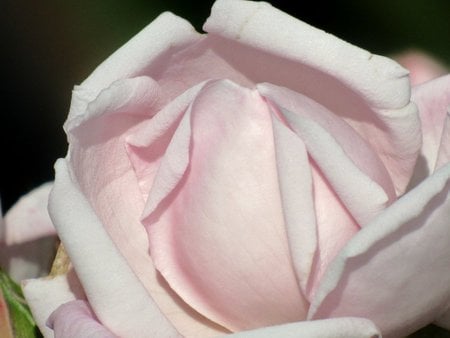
x=48 y=46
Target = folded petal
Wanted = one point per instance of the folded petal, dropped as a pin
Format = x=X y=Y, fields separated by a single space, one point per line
x=148 y=143
x=342 y=155
x=219 y=235
x=76 y=319
x=296 y=188
x=383 y=271
x=45 y=295
x=444 y=148
x=326 y=328
x=28 y=219
x=121 y=303
x=142 y=55
x=433 y=101
x=371 y=92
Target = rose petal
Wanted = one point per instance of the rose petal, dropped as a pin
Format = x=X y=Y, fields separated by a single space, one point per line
x=76 y=319
x=218 y=240
x=383 y=271
x=102 y=168
x=433 y=101
x=369 y=91
x=30 y=259
x=142 y=55
x=296 y=188
x=148 y=143
x=327 y=328
x=122 y=303
x=444 y=148
x=45 y=295
x=28 y=219
x=422 y=67
x=318 y=230
x=298 y=109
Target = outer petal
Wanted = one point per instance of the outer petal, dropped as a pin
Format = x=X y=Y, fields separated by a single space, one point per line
x=142 y=55
x=327 y=328
x=219 y=235
x=370 y=91
x=121 y=302
x=433 y=101
x=383 y=271
x=75 y=319
x=28 y=219
x=45 y=295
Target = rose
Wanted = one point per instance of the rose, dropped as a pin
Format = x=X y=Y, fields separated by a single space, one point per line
x=245 y=179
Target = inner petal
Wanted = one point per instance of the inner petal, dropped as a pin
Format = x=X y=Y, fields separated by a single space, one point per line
x=219 y=238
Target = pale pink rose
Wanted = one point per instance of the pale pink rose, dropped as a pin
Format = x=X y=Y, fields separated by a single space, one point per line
x=246 y=182
x=422 y=67
x=27 y=236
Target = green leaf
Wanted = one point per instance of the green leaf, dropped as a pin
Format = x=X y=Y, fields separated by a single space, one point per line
x=22 y=322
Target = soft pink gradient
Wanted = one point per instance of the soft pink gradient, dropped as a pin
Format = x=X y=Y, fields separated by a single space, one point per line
x=249 y=180
x=422 y=66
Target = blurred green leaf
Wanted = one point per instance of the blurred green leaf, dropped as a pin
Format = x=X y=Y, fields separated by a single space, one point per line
x=22 y=322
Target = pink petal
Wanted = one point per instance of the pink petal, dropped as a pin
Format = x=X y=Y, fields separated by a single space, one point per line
x=296 y=188
x=218 y=237
x=383 y=271
x=422 y=67
x=433 y=101
x=371 y=92
x=102 y=169
x=142 y=55
x=76 y=319
x=335 y=227
x=30 y=259
x=121 y=303
x=148 y=143
x=327 y=328
x=45 y=295
x=28 y=219
x=444 y=147
x=341 y=153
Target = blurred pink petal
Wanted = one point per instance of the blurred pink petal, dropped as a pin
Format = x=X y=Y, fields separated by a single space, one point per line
x=28 y=219
x=218 y=240
x=28 y=241
x=76 y=319
x=383 y=271
x=422 y=67
x=327 y=328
